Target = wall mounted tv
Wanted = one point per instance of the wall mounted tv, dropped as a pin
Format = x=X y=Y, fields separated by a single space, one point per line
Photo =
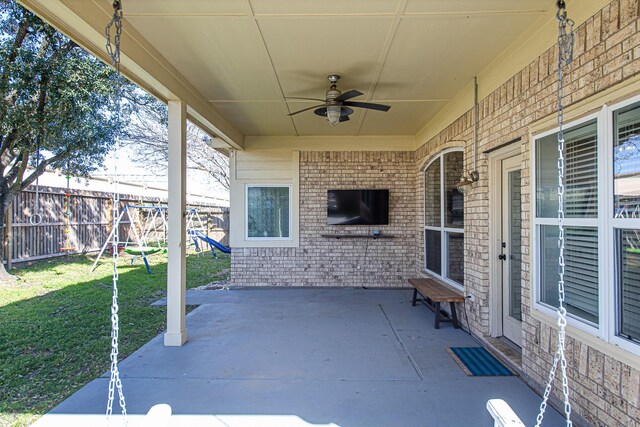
x=357 y=207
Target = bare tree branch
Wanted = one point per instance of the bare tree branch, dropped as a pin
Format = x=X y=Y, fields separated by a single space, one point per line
x=148 y=136
x=42 y=166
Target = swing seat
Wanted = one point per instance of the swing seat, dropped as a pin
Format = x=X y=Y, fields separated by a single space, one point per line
x=67 y=248
x=142 y=250
x=502 y=414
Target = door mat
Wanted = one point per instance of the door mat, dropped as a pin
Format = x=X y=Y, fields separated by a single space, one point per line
x=476 y=361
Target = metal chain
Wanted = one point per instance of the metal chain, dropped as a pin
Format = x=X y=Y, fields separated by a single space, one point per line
x=114 y=49
x=565 y=58
x=36 y=218
x=114 y=381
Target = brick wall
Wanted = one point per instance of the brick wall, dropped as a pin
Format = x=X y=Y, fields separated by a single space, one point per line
x=321 y=261
x=605 y=391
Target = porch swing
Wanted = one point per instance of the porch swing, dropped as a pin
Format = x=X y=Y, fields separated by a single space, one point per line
x=160 y=413
x=501 y=412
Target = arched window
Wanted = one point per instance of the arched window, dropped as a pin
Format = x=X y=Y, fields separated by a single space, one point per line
x=444 y=217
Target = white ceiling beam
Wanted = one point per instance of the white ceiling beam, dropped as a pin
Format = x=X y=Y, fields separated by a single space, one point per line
x=140 y=61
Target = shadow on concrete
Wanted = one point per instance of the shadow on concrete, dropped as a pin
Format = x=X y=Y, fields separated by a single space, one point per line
x=344 y=357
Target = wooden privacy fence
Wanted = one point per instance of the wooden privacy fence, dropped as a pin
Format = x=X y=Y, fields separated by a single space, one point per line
x=90 y=222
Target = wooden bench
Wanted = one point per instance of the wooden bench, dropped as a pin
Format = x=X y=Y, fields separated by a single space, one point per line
x=434 y=293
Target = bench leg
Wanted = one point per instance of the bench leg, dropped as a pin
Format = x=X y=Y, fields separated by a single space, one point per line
x=454 y=316
x=437 y=315
x=415 y=296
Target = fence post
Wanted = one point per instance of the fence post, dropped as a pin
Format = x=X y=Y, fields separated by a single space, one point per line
x=8 y=234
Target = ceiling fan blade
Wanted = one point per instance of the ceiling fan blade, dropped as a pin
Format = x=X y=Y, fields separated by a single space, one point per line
x=368 y=105
x=322 y=111
x=306 y=109
x=346 y=111
x=309 y=99
x=348 y=95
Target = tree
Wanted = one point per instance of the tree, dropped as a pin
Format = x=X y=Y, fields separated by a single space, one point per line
x=53 y=95
x=148 y=135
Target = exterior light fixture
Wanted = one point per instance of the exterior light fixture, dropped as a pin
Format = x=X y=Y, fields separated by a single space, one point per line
x=466 y=180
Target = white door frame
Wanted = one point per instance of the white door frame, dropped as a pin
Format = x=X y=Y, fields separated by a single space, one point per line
x=495 y=229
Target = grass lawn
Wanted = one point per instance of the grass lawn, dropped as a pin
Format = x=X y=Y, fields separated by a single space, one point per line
x=55 y=325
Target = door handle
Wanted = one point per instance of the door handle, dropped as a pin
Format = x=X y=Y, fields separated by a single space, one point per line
x=502 y=257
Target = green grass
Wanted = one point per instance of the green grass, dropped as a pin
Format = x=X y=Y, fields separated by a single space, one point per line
x=55 y=325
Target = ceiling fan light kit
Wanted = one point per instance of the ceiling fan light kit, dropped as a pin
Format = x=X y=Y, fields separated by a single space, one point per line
x=333 y=114
x=336 y=107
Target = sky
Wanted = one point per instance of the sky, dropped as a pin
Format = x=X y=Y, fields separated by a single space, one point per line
x=128 y=171
x=199 y=189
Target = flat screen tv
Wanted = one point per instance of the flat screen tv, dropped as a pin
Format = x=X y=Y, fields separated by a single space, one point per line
x=358 y=207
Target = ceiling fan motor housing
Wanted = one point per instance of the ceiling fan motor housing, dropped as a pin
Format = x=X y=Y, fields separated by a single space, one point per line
x=333 y=93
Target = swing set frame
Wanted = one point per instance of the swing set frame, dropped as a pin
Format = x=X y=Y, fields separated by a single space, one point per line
x=138 y=246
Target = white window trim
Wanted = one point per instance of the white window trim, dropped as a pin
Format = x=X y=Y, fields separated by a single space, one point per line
x=246 y=212
x=616 y=223
x=607 y=290
x=444 y=254
x=546 y=309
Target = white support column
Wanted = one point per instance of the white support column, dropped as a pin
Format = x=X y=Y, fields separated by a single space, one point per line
x=176 y=334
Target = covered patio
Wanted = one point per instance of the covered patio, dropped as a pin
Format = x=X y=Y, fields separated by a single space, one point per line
x=305 y=357
x=462 y=144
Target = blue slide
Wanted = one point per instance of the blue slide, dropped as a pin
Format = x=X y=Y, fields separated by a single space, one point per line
x=212 y=243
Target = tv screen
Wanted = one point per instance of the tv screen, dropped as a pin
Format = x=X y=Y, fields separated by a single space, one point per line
x=357 y=207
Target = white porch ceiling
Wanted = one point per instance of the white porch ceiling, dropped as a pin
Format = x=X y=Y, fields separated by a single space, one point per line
x=246 y=56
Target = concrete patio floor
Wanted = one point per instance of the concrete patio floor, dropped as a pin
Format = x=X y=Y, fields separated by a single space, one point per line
x=305 y=357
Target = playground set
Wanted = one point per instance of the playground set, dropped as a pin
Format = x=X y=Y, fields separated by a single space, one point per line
x=142 y=230
x=197 y=232
x=147 y=233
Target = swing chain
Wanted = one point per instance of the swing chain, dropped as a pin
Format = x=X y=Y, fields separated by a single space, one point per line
x=114 y=381
x=116 y=22
x=565 y=58
x=36 y=218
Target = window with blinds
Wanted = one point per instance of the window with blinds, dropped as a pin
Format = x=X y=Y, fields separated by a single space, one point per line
x=602 y=231
x=581 y=202
x=581 y=173
x=581 y=270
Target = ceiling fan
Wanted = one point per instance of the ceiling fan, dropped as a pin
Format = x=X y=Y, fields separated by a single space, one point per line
x=336 y=106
